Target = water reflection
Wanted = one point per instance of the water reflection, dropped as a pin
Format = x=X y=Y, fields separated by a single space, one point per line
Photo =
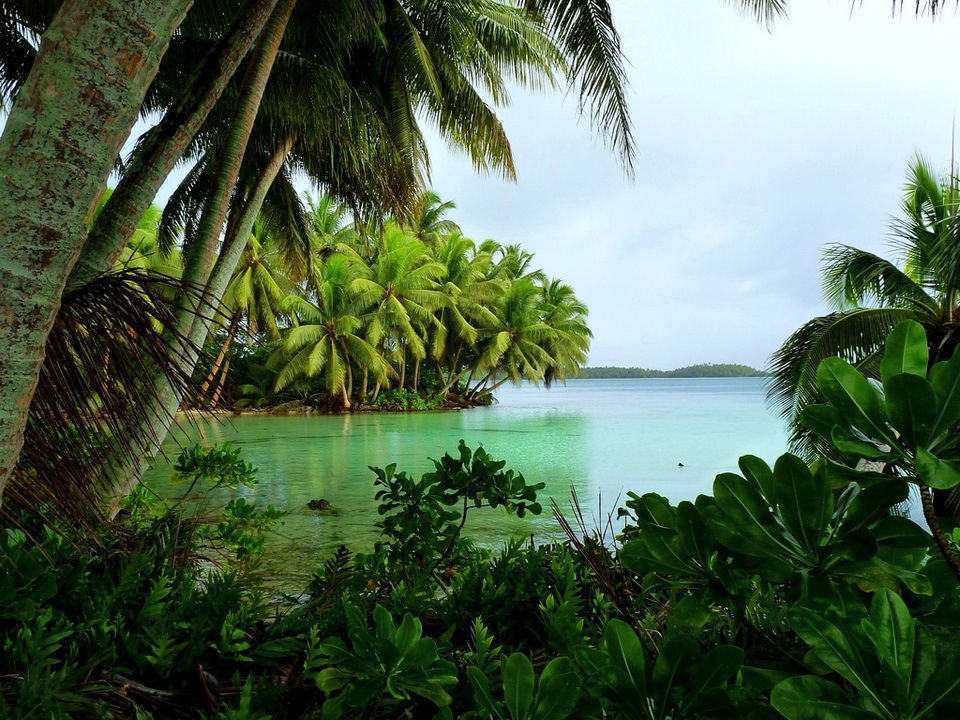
x=600 y=437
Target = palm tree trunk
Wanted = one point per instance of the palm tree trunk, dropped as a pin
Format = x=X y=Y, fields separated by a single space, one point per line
x=343 y=392
x=57 y=149
x=231 y=331
x=203 y=256
x=221 y=382
x=363 y=387
x=376 y=392
x=164 y=399
x=416 y=375
x=165 y=145
x=939 y=537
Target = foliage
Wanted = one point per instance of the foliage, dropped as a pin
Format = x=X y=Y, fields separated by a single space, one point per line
x=420 y=533
x=871 y=295
x=705 y=370
x=380 y=668
x=792 y=589
x=403 y=399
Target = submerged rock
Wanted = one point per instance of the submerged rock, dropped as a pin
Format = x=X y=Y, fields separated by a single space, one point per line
x=322 y=505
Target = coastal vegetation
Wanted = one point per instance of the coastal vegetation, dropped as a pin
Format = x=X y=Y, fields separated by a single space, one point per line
x=792 y=591
x=702 y=370
x=398 y=317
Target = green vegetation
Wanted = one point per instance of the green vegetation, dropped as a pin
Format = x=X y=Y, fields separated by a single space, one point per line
x=793 y=591
x=387 y=320
x=704 y=370
x=872 y=295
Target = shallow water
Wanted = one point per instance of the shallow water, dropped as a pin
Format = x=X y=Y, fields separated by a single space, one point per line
x=601 y=437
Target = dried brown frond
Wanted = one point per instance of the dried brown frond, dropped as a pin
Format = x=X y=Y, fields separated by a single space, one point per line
x=111 y=340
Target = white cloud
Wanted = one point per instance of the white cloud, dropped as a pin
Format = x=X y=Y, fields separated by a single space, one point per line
x=754 y=151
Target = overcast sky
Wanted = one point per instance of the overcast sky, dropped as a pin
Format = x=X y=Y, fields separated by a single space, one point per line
x=754 y=151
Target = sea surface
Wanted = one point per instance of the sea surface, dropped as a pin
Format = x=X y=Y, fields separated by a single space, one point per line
x=599 y=438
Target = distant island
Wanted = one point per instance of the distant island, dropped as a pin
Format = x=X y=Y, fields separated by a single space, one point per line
x=705 y=370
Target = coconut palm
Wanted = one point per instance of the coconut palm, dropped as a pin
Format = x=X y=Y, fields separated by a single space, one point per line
x=514 y=348
x=872 y=295
x=254 y=297
x=326 y=338
x=468 y=295
x=569 y=341
x=400 y=287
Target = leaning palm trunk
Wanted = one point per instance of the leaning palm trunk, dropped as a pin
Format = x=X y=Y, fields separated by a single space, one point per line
x=221 y=382
x=204 y=268
x=214 y=370
x=57 y=149
x=165 y=145
x=204 y=244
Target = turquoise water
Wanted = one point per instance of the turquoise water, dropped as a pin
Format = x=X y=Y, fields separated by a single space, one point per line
x=601 y=437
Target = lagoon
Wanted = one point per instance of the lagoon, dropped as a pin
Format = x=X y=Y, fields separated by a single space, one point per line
x=600 y=437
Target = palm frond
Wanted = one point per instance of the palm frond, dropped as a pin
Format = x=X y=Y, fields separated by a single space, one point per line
x=90 y=412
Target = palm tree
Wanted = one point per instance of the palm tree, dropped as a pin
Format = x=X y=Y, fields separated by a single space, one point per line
x=401 y=289
x=872 y=295
x=569 y=341
x=326 y=337
x=255 y=295
x=468 y=295
x=514 y=348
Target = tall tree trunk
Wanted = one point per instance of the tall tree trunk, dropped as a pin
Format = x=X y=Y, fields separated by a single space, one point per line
x=165 y=144
x=72 y=116
x=164 y=399
x=204 y=247
x=416 y=375
x=231 y=331
x=220 y=384
x=363 y=386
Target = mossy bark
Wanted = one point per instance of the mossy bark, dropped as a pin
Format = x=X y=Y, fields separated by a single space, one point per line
x=64 y=133
x=166 y=143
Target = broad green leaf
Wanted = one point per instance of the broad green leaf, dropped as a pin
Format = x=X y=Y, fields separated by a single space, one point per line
x=938 y=474
x=872 y=503
x=481 y=693
x=518 y=684
x=832 y=645
x=892 y=631
x=911 y=408
x=820 y=419
x=804 y=501
x=853 y=447
x=623 y=648
x=807 y=697
x=716 y=667
x=332 y=679
x=759 y=473
x=856 y=399
x=694 y=537
x=945 y=380
x=749 y=515
x=408 y=633
x=676 y=659
x=905 y=352
x=558 y=690
x=944 y=682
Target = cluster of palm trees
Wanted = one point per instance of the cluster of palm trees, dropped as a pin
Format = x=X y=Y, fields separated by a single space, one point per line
x=411 y=306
